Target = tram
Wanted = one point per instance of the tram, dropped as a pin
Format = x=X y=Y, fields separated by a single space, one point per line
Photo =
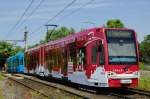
x=99 y=57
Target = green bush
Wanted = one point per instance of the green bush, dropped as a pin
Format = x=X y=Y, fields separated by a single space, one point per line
x=144 y=83
x=142 y=66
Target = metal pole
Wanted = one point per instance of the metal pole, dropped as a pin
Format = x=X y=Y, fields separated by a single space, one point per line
x=47 y=25
x=25 y=38
x=47 y=34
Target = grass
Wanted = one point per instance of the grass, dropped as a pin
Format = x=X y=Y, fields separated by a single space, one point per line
x=144 y=66
x=1 y=76
x=1 y=91
x=144 y=83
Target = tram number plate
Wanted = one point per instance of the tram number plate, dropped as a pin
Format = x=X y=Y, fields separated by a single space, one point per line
x=127 y=81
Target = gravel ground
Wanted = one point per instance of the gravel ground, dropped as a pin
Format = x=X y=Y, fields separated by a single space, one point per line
x=144 y=74
x=12 y=90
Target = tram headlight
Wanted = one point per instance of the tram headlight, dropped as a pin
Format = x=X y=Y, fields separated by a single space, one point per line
x=111 y=74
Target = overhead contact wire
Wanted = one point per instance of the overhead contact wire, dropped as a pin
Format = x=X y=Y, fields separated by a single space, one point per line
x=74 y=11
x=19 y=20
x=33 y=11
x=61 y=11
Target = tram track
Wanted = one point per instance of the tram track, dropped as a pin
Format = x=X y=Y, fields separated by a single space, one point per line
x=24 y=83
x=44 y=87
x=130 y=93
x=142 y=92
x=82 y=93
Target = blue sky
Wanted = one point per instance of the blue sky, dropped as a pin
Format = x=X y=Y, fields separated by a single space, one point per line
x=134 y=14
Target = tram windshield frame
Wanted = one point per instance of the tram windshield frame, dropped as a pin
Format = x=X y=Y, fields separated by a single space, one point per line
x=121 y=47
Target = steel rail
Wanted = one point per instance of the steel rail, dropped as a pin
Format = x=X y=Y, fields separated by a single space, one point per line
x=86 y=93
x=140 y=91
x=28 y=86
x=46 y=84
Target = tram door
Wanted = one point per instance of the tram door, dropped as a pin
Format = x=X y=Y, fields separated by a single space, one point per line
x=77 y=58
x=96 y=53
x=81 y=58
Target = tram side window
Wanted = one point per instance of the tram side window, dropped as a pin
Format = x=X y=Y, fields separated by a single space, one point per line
x=17 y=61
x=94 y=54
x=30 y=63
x=55 y=58
x=31 y=57
x=50 y=60
x=14 y=63
x=101 y=50
x=64 y=60
x=21 y=61
x=34 y=60
x=46 y=59
x=37 y=59
x=59 y=57
x=81 y=56
x=26 y=60
x=72 y=55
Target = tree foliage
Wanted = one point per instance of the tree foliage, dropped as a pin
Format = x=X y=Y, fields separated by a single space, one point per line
x=5 y=46
x=145 y=49
x=8 y=48
x=55 y=34
x=114 y=23
x=59 y=33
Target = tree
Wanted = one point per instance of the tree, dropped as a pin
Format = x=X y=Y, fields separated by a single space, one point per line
x=4 y=46
x=145 y=49
x=59 y=33
x=8 y=48
x=114 y=23
x=56 y=34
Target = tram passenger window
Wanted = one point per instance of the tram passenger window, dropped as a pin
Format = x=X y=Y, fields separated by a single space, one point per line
x=50 y=60
x=55 y=58
x=35 y=59
x=64 y=60
x=59 y=58
x=32 y=60
x=17 y=61
x=47 y=59
x=26 y=59
x=94 y=54
x=72 y=55
x=81 y=56
x=21 y=61
x=101 y=50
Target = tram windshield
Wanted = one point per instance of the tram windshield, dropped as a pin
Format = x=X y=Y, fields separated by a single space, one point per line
x=121 y=47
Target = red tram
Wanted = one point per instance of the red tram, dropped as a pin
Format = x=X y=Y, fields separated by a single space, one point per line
x=100 y=57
